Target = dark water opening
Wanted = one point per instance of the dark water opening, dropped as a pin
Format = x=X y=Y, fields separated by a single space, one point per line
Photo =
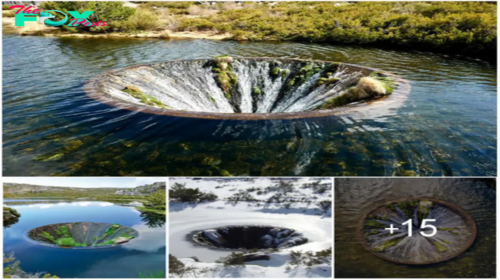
x=249 y=237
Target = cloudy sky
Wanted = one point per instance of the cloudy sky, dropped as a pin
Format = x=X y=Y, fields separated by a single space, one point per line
x=82 y=182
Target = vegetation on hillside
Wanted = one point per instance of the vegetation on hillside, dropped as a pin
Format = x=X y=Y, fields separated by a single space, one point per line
x=456 y=27
x=12 y=190
x=155 y=202
x=309 y=258
x=10 y=216
x=12 y=269
x=179 y=192
x=466 y=27
x=71 y=193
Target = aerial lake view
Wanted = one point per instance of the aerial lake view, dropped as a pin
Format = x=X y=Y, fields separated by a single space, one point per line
x=439 y=121
x=82 y=238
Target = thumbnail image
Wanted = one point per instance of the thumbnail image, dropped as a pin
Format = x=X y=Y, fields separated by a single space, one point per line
x=407 y=228
x=84 y=228
x=250 y=227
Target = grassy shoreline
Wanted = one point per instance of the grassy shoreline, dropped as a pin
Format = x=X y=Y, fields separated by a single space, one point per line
x=464 y=28
x=152 y=210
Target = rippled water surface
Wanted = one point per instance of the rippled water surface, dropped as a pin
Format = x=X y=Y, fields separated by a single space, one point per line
x=446 y=127
x=145 y=254
x=354 y=198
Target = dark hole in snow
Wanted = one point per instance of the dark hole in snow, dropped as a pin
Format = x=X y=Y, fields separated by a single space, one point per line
x=249 y=237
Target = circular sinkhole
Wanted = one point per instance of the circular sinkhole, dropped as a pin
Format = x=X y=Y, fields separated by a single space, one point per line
x=248 y=88
x=249 y=237
x=82 y=235
x=454 y=231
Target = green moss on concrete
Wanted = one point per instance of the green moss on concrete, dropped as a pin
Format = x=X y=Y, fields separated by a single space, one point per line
x=359 y=92
x=449 y=229
x=144 y=98
x=375 y=224
x=408 y=207
x=256 y=91
x=387 y=244
x=387 y=81
x=225 y=78
x=275 y=72
x=423 y=209
x=112 y=229
x=439 y=246
x=47 y=236
x=65 y=242
x=326 y=81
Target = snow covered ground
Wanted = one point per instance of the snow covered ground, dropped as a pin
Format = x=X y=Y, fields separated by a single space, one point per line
x=297 y=209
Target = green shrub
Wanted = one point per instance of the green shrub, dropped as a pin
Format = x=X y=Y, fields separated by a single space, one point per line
x=8 y=13
x=141 y=20
x=464 y=27
x=234 y=259
x=111 y=12
x=175 y=266
x=325 y=205
x=180 y=193
x=12 y=269
x=308 y=259
x=157 y=200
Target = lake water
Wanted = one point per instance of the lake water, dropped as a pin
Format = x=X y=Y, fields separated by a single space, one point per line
x=354 y=198
x=446 y=127
x=145 y=254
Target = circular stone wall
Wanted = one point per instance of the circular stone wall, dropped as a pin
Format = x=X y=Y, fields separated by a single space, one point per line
x=83 y=234
x=248 y=88
x=249 y=237
x=455 y=232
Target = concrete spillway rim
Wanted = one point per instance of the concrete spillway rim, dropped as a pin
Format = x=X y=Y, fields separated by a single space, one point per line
x=400 y=94
x=469 y=221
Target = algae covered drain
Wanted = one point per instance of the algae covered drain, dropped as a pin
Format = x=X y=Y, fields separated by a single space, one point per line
x=433 y=231
x=241 y=88
x=83 y=235
x=421 y=227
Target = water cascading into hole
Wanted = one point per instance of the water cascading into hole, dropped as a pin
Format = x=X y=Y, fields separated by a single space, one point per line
x=455 y=231
x=225 y=86
x=249 y=237
x=83 y=234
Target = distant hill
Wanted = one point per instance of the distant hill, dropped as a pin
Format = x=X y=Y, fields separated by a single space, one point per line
x=142 y=190
x=28 y=190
